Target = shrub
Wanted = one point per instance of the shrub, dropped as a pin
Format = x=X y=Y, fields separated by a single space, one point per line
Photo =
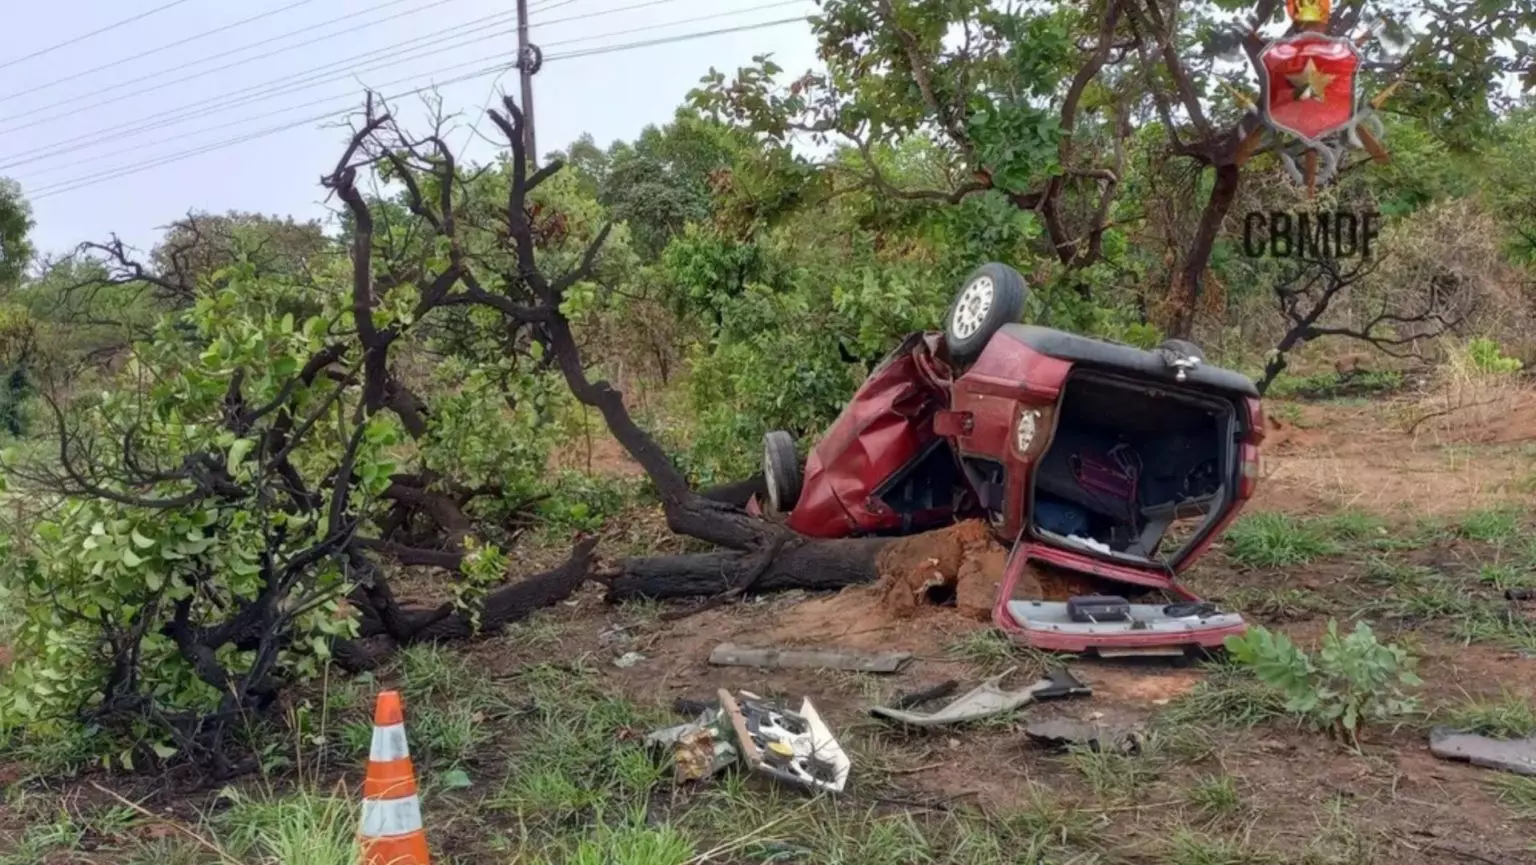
x=1353 y=678
x=1488 y=357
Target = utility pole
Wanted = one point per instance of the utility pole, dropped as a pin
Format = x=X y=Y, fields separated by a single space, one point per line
x=529 y=59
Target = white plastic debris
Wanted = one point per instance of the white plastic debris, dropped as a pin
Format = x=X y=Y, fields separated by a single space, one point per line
x=1091 y=544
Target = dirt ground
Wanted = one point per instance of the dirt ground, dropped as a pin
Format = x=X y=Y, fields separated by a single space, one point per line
x=1388 y=801
x=1340 y=456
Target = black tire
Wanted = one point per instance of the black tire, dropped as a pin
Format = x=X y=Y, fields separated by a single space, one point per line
x=992 y=296
x=781 y=471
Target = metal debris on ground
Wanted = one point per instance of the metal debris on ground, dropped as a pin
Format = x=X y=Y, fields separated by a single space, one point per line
x=1508 y=755
x=628 y=659
x=989 y=699
x=795 y=748
x=728 y=655
x=1067 y=733
x=925 y=695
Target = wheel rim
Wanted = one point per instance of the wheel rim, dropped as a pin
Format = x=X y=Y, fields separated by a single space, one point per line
x=972 y=307
x=770 y=482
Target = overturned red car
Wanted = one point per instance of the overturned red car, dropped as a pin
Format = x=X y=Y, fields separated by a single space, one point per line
x=1091 y=456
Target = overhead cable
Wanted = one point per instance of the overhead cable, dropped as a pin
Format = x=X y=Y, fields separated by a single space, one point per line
x=73 y=184
x=349 y=98
x=485 y=21
x=202 y=76
x=667 y=40
x=125 y=170
x=84 y=36
x=166 y=47
x=697 y=18
x=389 y=55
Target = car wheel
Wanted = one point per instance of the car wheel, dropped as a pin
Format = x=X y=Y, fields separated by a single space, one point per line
x=781 y=471
x=992 y=296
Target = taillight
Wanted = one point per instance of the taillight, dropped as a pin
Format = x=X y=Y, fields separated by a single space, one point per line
x=1252 y=467
x=1255 y=421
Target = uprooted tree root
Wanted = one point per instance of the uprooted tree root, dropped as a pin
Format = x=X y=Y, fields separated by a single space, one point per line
x=960 y=566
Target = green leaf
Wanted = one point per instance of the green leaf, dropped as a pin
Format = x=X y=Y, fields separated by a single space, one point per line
x=164 y=752
x=238 y=452
x=455 y=779
x=140 y=541
x=130 y=558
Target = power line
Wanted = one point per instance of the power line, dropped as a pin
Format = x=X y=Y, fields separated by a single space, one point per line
x=113 y=134
x=488 y=20
x=84 y=36
x=667 y=40
x=115 y=63
x=97 y=91
x=601 y=12
x=350 y=98
x=297 y=82
x=665 y=24
x=304 y=81
x=89 y=180
x=124 y=171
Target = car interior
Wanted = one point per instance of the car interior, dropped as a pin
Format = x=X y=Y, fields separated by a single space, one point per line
x=1130 y=464
x=929 y=490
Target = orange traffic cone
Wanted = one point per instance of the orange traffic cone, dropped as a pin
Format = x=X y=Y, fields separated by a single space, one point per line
x=391 y=833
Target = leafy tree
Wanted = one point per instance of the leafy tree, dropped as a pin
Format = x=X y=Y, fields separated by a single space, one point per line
x=198 y=247
x=1045 y=105
x=15 y=223
x=586 y=161
x=662 y=182
x=232 y=495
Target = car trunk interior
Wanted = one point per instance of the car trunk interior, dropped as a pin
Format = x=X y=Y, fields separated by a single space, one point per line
x=1132 y=466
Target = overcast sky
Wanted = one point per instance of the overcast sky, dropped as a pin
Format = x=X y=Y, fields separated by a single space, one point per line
x=73 y=144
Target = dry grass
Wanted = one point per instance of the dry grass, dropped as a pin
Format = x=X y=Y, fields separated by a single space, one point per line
x=1469 y=448
x=1461 y=401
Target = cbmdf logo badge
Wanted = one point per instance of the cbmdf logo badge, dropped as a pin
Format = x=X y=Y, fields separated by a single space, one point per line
x=1309 y=105
x=1311 y=112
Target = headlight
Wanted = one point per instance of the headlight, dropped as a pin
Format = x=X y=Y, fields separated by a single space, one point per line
x=1024 y=436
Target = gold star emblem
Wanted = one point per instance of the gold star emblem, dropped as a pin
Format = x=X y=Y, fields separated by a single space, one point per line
x=1310 y=83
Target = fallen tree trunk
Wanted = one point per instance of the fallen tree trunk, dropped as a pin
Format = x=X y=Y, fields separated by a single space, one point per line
x=802 y=563
x=517 y=601
x=508 y=604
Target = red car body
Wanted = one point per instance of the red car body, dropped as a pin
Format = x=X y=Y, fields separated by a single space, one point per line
x=913 y=401
x=885 y=426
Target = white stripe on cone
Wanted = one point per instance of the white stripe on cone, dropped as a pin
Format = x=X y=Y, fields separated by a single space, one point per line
x=389 y=743
x=383 y=818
